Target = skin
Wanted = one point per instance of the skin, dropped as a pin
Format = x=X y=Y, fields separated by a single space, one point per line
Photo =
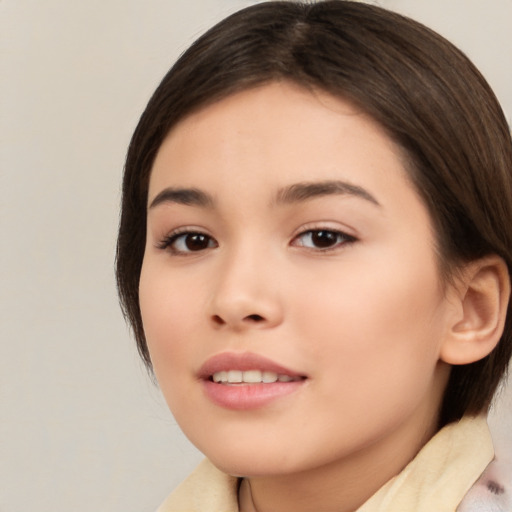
x=365 y=319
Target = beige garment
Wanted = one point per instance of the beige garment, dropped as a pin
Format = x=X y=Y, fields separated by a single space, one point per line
x=436 y=480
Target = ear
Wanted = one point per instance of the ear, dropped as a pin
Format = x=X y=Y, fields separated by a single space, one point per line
x=482 y=296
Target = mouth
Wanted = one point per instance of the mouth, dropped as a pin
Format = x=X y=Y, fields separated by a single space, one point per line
x=247 y=381
x=234 y=377
x=246 y=368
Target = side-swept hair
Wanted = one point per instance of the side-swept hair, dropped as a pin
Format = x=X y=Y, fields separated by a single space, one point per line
x=423 y=91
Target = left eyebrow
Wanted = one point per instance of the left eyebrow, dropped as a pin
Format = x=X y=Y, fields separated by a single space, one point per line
x=186 y=196
x=309 y=190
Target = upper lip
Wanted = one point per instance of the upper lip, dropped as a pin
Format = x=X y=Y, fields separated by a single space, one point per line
x=243 y=361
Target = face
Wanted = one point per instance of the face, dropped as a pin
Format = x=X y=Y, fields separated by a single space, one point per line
x=289 y=292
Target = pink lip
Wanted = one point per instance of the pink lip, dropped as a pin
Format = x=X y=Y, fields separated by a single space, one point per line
x=242 y=361
x=246 y=396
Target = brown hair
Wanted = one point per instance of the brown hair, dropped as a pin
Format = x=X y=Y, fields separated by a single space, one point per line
x=428 y=96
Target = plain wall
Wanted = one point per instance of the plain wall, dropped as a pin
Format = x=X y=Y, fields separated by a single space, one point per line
x=82 y=426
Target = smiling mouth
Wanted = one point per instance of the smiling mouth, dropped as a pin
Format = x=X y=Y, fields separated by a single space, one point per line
x=247 y=381
x=234 y=377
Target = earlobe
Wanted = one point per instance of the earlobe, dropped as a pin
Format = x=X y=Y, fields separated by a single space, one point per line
x=483 y=295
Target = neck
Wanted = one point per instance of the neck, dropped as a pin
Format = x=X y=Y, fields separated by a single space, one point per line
x=342 y=486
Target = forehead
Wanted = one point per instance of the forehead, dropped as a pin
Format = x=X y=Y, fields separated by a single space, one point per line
x=278 y=130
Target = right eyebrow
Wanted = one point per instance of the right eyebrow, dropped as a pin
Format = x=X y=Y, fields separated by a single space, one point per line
x=299 y=192
x=186 y=196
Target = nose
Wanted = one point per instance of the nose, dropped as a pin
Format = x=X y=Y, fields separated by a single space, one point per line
x=246 y=295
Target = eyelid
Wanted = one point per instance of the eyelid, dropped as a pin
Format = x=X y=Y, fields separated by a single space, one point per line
x=335 y=227
x=165 y=243
x=326 y=227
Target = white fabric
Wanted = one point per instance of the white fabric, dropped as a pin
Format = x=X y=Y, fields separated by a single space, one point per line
x=436 y=480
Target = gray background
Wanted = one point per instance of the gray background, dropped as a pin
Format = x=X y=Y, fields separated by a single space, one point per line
x=82 y=426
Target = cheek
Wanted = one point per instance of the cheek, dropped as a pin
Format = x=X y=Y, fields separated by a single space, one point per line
x=384 y=325
x=376 y=305
x=168 y=317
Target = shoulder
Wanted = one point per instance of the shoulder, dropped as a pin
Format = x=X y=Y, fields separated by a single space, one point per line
x=205 y=490
x=442 y=472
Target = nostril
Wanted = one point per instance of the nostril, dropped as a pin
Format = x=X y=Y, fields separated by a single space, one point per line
x=254 y=318
x=218 y=320
x=237 y=320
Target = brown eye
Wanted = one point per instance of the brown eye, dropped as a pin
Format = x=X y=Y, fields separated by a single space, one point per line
x=186 y=243
x=322 y=239
x=196 y=241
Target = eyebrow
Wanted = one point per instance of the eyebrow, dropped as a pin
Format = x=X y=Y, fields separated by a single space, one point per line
x=186 y=196
x=295 y=193
x=309 y=190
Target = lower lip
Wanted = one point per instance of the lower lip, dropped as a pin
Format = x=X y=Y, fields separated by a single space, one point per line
x=243 y=397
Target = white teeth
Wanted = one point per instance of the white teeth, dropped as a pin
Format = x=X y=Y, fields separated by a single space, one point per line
x=235 y=376
x=250 y=377
x=220 y=377
x=268 y=377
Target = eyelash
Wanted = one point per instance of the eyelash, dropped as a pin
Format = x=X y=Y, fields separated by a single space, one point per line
x=170 y=241
x=341 y=239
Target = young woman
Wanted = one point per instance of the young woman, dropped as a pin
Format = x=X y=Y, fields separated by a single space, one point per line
x=314 y=255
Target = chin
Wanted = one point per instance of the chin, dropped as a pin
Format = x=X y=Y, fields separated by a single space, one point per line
x=250 y=463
